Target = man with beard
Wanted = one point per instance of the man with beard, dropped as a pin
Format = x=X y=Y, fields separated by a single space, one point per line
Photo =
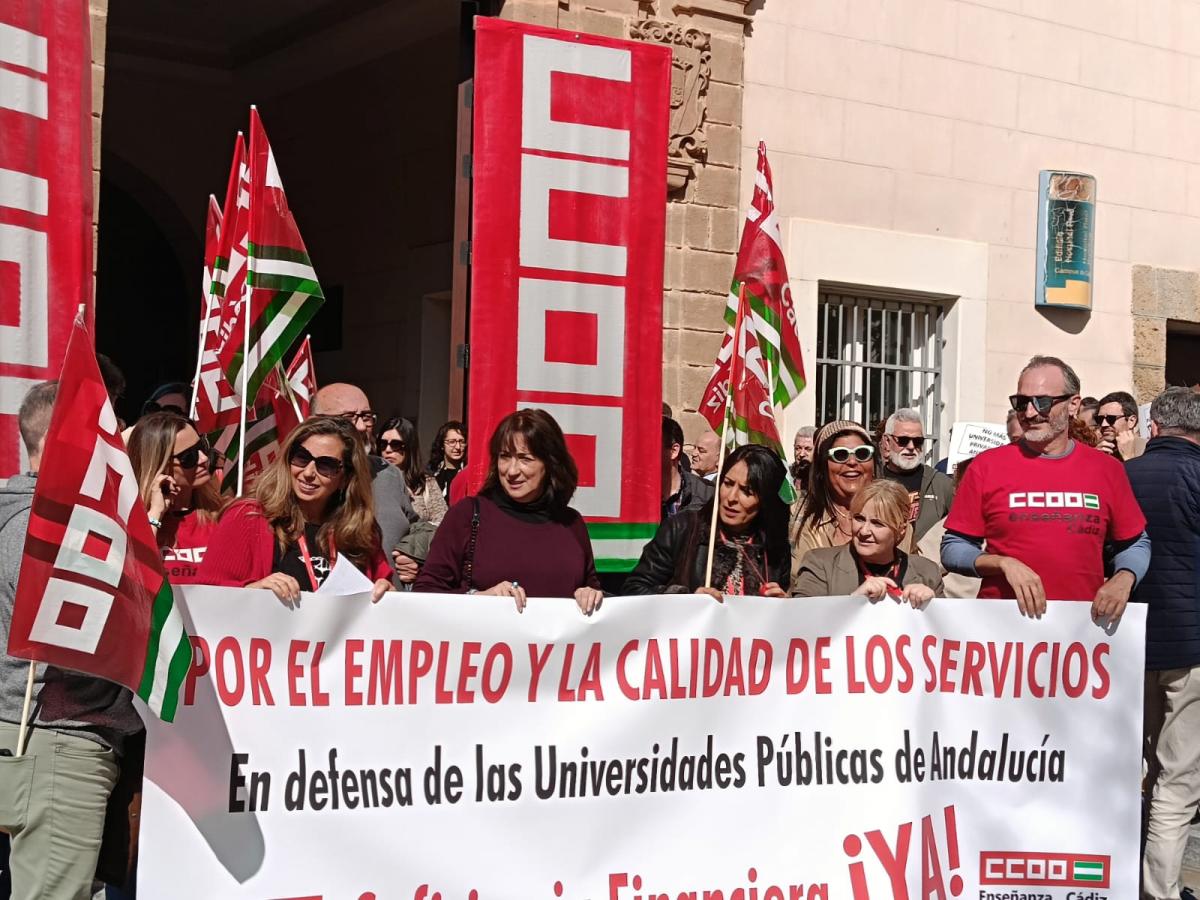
x=1117 y=421
x=931 y=492
x=1046 y=507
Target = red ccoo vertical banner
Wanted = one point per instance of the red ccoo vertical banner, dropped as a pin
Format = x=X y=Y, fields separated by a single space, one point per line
x=45 y=196
x=569 y=169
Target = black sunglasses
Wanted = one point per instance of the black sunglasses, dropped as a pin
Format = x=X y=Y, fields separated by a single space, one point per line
x=153 y=406
x=394 y=446
x=863 y=453
x=190 y=458
x=1041 y=402
x=327 y=466
x=905 y=440
x=1109 y=420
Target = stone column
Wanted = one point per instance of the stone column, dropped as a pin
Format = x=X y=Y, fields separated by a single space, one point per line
x=707 y=38
x=1159 y=296
x=98 y=10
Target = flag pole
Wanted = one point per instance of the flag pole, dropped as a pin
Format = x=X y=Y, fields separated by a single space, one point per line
x=286 y=387
x=24 y=730
x=712 y=525
x=738 y=328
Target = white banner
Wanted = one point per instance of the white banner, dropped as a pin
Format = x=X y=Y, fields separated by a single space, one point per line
x=447 y=748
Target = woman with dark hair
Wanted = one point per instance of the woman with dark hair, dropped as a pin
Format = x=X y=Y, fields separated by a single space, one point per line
x=871 y=564
x=174 y=471
x=844 y=462
x=519 y=537
x=751 y=553
x=448 y=455
x=400 y=446
x=312 y=503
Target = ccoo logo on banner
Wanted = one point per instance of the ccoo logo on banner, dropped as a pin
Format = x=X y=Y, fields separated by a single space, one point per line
x=568 y=234
x=45 y=197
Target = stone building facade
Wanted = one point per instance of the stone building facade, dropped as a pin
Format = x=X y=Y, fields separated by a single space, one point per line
x=906 y=138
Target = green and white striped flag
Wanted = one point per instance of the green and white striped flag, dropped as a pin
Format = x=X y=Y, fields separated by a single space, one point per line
x=1086 y=870
x=281 y=293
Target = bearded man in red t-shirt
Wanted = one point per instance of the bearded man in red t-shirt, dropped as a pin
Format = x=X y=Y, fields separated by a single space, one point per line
x=1046 y=507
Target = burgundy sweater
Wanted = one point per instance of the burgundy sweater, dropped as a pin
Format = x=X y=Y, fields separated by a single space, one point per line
x=242 y=550
x=548 y=559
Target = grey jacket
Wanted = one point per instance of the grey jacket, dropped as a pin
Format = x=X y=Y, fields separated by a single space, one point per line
x=64 y=701
x=393 y=508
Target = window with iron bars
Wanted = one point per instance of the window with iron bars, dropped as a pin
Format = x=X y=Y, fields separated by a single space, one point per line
x=877 y=354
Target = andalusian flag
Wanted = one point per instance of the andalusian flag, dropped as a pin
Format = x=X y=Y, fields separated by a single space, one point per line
x=92 y=596
x=282 y=293
x=761 y=272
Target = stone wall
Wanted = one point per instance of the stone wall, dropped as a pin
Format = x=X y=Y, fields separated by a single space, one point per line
x=1160 y=296
x=703 y=218
x=98 y=12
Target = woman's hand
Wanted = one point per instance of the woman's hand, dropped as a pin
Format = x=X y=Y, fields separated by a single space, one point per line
x=772 y=589
x=874 y=588
x=285 y=587
x=382 y=586
x=588 y=600
x=917 y=595
x=509 y=589
x=162 y=497
x=407 y=568
x=711 y=592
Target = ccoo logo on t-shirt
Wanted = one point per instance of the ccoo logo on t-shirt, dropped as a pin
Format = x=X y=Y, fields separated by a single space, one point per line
x=1053 y=500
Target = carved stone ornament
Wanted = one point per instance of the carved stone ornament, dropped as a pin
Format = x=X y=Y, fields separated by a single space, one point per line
x=691 y=69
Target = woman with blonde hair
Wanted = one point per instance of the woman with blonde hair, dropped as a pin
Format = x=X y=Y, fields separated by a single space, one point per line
x=174 y=469
x=872 y=565
x=312 y=503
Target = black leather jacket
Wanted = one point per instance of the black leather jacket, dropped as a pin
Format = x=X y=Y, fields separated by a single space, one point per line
x=655 y=572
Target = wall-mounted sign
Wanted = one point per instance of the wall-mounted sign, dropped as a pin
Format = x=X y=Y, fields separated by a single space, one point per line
x=1065 y=239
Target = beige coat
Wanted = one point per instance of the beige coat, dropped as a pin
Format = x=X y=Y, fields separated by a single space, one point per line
x=822 y=534
x=832 y=572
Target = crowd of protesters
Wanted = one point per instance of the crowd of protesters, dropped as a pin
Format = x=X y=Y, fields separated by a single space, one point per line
x=1070 y=509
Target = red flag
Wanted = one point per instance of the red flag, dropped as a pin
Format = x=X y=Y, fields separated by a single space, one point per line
x=750 y=413
x=218 y=404
x=282 y=293
x=302 y=376
x=761 y=270
x=92 y=596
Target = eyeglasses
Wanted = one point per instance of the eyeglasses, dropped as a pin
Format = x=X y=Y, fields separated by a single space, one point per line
x=190 y=458
x=841 y=455
x=455 y=442
x=394 y=446
x=1041 y=402
x=905 y=440
x=327 y=466
x=365 y=414
x=1110 y=421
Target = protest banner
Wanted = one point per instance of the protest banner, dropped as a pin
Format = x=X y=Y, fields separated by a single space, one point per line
x=45 y=196
x=568 y=230
x=969 y=439
x=445 y=746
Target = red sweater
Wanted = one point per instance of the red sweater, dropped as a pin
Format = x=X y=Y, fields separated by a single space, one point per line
x=242 y=549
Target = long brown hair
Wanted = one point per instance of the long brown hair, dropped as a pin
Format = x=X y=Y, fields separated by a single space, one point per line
x=350 y=516
x=151 y=448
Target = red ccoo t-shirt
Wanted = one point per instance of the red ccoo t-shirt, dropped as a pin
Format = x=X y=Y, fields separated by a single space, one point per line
x=1053 y=514
x=182 y=560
